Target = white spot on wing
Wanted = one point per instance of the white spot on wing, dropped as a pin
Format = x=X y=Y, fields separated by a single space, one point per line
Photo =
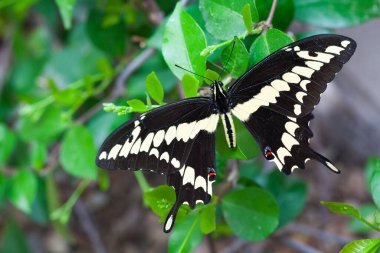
x=169 y=223
x=293 y=168
x=189 y=176
x=297 y=109
x=291 y=127
x=175 y=163
x=304 y=83
x=314 y=64
x=268 y=93
x=145 y=146
x=345 y=43
x=136 y=147
x=282 y=153
x=303 y=71
x=154 y=152
x=170 y=134
x=322 y=57
x=331 y=166
x=103 y=155
x=300 y=96
x=291 y=77
x=158 y=138
x=334 y=50
x=165 y=156
x=280 y=85
x=114 y=151
x=288 y=141
x=200 y=182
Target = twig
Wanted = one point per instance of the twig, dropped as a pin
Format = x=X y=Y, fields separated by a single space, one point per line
x=268 y=22
x=155 y=15
x=5 y=58
x=211 y=243
x=89 y=227
x=321 y=235
x=129 y=70
x=299 y=246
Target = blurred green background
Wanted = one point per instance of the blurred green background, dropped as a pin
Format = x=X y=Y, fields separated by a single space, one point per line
x=71 y=71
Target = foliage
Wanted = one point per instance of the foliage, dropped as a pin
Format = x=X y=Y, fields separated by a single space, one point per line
x=70 y=57
x=368 y=215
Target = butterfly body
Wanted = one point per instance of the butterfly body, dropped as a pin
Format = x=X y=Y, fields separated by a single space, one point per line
x=274 y=100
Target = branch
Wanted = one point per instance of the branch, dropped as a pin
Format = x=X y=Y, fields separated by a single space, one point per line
x=89 y=227
x=268 y=22
x=299 y=246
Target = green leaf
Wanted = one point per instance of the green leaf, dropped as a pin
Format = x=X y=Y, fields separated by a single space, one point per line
x=224 y=19
x=154 y=88
x=368 y=212
x=223 y=149
x=137 y=105
x=371 y=173
x=362 y=246
x=342 y=208
x=66 y=8
x=247 y=17
x=78 y=152
x=38 y=155
x=42 y=125
x=210 y=74
x=207 y=219
x=251 y=213
x=40 y=212
x=283 y=15
x=290 y=194
x=4 y=182
x=13 y=239
x=182 y=44
x=336 y=14
x=186 y=235
x=236 y=60
x=23 y=190
x=190 y=85
x=267 y=43
x=111 y=39
x=7 y=143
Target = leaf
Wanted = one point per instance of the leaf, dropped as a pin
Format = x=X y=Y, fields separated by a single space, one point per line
x=38 y=155
x=235 y=58
x=42 y=125
x=207 y=219
x=111 y=39
x=210 y=74
x=78 y=152
x=368 y=212
x=247 y=17
x=336 y=14
x=283 y=15
x=224 y=19
x=190 y=85
x=40 y=212
x=223 y=149
x=23 y=190
x=372 y=176
x=182 y=44
x=266 y=44
x=66 y=8
x=290 y=194
x=160 y=199
x=342 y=208
x=362 y=246
x=7 y=143
x=186 y=235
x=154 y=88
x=251 y=213
x=13 y=239
x=137 y=105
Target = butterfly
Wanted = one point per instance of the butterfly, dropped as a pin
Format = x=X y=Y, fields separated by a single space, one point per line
x=274 y=100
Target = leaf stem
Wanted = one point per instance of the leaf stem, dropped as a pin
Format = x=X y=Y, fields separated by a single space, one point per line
x=141 y=180
x=188 y=234
x=268 y=22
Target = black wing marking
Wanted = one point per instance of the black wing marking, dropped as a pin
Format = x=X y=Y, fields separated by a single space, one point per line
x=193 y=183
x=285 y=140
x=291 y=80
x=160 y=140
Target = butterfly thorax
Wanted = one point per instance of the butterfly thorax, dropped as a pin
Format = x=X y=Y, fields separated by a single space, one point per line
x=219 y=97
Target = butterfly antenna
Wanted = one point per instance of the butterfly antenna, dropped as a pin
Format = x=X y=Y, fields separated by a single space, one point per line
x=192 y=72
x=228 y=60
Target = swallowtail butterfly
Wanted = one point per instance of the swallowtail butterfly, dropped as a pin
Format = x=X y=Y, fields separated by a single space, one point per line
x=274 y=100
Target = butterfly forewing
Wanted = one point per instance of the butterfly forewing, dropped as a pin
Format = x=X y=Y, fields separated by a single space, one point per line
x=291 y=80
x=160 y=140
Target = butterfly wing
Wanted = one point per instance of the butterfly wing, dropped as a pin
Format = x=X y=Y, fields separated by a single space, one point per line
x=275 y=98
x=159 y=140
x=291 y=80
x=193 y=183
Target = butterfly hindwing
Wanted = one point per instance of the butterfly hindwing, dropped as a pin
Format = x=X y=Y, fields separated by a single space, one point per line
x=291 y=80
x=160 y=140
x=193 y=183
